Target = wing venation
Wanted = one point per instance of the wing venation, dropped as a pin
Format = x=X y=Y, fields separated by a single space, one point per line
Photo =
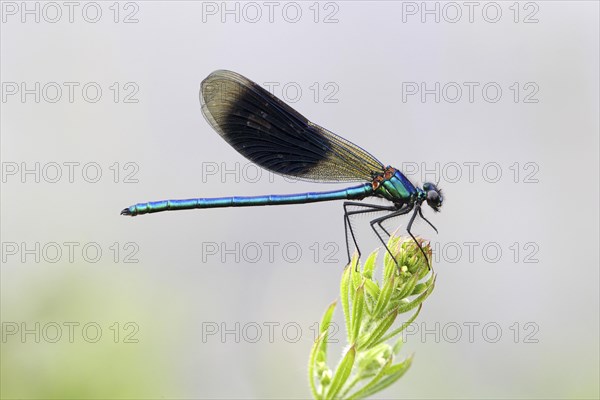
x=273 y=135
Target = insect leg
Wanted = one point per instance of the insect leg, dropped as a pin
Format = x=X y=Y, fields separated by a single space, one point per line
x=426 y=220
x=409 y=226
x=348 y=224
x=378 y=221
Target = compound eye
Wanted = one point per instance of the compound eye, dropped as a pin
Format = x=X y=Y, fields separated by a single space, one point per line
x=428 y=186
x=433 y=197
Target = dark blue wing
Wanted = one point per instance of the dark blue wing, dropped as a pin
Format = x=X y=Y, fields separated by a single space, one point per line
x=273 y=135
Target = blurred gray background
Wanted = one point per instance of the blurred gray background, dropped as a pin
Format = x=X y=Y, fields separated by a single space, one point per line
x=223 y=303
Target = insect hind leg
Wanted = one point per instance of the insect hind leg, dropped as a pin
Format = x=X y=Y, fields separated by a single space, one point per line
x=380 y=220
x=368 y=208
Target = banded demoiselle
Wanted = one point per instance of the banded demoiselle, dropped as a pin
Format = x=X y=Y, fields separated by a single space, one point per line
x=273 y=135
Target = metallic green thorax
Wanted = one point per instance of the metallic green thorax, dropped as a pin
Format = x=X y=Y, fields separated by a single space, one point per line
x=395 y=187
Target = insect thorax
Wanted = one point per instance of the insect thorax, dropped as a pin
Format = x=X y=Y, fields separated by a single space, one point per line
x=392 y=185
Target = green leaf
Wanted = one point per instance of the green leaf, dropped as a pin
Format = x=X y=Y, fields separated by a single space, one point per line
x=402 y=366
x=419 y=288
x=370 y=361
x=402 y=308
x=324 y=331
x=387 y=260
x=344 y=297
x=384 y=296
x=365 y=389
x=391 y=375
x=402 y=327
x=380 y=330
x=370 y=265
x=326 y=320
x=356 y=279
x=397 y=346
x=389 y=266
x=407 y=287
x=342 y=372
x=357 y=313
x=318 y=352
x=311 y=367
x=372 y=289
